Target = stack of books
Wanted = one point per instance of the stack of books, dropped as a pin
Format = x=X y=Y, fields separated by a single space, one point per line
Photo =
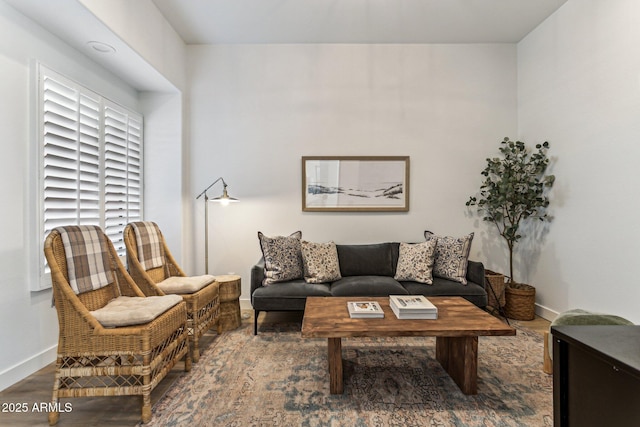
x=364 y=309
x=412 y=307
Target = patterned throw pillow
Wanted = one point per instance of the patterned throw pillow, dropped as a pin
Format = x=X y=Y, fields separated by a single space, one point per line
x=416 y=262
x=282 y=257
x=452 y=256
x=320 y=262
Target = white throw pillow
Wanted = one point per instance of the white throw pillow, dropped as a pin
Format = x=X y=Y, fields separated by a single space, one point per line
x=282 y=257
x=415 y=262
x=320 y=262
x=452 y=256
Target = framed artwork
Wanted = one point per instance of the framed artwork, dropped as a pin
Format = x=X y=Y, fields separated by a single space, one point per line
x=355 y=184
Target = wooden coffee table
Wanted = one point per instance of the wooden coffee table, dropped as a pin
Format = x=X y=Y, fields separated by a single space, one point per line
x=457 y=329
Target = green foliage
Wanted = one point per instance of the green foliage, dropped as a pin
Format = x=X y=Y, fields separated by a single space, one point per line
x=514 y=189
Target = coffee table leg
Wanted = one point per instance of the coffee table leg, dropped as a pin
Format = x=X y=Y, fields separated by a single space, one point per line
x=336 y=384
x=459 y=357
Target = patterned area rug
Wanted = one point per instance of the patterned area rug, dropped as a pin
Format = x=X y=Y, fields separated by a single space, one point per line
x=280 y=379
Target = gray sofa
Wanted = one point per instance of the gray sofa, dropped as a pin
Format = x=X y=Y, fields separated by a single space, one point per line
x=367 y=270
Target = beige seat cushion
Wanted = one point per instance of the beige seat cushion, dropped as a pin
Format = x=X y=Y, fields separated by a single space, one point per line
x=129 y=311
x=185 y=285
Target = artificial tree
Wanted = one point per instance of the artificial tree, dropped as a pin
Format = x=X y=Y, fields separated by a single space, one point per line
x=514 y=189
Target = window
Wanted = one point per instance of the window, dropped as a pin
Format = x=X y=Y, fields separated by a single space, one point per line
x=91 y=162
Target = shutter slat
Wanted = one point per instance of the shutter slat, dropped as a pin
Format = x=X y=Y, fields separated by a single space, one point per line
x=92 y=159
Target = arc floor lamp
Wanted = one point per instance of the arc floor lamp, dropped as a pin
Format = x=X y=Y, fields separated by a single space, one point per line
x=223 y=199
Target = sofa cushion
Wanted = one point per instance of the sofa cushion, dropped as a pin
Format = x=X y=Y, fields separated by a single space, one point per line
x=473 y=292
x=366 y=260
x=129 y=311
x=320 y=262
x=367 y=286
x=452 y=256
x=292 y=289
x=282 y=257
x=415 y=262
x=287 y=296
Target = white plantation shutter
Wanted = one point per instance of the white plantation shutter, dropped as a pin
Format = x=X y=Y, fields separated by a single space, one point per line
x=91 y=159
x=122 y=142
x=71 y=156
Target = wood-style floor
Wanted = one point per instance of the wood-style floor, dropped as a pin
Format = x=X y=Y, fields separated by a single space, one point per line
x=115 y=411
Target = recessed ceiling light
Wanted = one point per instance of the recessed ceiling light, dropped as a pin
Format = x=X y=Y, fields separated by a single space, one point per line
x=101 y=47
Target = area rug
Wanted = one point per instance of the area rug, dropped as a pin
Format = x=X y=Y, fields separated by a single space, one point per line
x=280 y=379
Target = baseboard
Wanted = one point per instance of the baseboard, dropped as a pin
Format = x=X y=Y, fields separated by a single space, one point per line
x=546 y=312
x=23 y=369
x=245 y=304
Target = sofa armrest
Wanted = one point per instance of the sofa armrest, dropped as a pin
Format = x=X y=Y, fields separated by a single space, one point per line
x=257 y=276
x=475 y=273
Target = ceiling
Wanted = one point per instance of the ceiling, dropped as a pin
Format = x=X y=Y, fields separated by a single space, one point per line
x=355 y=21
x=293 y=21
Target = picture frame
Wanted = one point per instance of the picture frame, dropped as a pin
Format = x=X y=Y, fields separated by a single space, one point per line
x=355 y=183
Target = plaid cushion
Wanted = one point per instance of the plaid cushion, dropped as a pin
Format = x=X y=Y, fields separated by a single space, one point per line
x=87 y=253
x=149 y=241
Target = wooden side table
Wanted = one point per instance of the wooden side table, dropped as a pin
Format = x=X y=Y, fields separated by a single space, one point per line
x=230 y=289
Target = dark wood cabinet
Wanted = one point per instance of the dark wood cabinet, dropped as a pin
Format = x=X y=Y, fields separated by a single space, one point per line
x=596 y=376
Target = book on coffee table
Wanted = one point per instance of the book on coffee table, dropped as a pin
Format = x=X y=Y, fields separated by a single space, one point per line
x=412 y=307
x=364 y=309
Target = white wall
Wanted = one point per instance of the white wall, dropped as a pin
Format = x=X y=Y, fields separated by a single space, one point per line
x=29 y=332
x=579 y=88
x=255 y=110
x=163 y=167
x=141 y=25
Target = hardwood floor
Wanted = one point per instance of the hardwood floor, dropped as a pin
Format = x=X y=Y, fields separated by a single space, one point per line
x=538 y=324
x=124 y=410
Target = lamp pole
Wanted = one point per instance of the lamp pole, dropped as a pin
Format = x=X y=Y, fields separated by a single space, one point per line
x=206 y=233
x=224 y=199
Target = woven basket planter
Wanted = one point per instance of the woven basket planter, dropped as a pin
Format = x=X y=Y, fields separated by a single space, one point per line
x=520 y=301
x=496 y=289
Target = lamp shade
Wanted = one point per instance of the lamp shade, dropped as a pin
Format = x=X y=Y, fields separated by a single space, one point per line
x=224 y=199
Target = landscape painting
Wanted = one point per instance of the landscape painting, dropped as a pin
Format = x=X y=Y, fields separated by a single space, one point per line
x=371 y=183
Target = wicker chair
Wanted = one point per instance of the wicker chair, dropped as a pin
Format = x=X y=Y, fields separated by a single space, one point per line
x=203 y=306
x=94 y=360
